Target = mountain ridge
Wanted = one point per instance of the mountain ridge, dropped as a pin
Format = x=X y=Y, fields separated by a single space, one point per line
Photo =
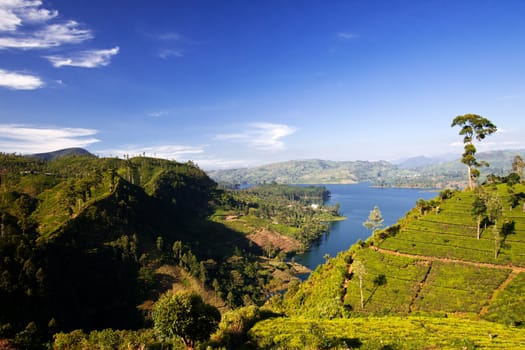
x=66 y=152
x=413 y=172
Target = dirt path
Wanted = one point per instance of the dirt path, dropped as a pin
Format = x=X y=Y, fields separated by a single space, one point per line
x=515 y=269
x=420 y=286
x=497 y=291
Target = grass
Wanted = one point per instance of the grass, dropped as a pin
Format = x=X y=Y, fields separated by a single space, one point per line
x=509 y=305
x=397 y=288
x=458 y=288
x=321 y=295
x=393 y=332
x=451 y=232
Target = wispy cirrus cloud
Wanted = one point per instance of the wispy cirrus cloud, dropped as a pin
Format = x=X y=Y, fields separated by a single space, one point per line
x=84 y=59
x=167 y=53
x=177 y=152
x=262 y=136
x=19 y=81
x=171 y=44
x=29 y=139
x=347 y=35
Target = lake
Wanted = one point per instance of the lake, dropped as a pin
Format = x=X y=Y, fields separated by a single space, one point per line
x=356 y=202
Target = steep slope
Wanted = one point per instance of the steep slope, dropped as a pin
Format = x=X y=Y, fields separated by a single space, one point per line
x=81 y=237
x=430 y=262
x=426 y=282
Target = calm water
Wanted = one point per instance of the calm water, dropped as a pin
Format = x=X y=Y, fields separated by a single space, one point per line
x=356 y=202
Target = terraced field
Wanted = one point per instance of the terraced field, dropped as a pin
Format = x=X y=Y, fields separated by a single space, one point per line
x=427 y=282
x=434 y=264
x=385 y=333
x=450 y=232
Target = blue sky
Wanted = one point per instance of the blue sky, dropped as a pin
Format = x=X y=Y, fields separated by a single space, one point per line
x=241 y=83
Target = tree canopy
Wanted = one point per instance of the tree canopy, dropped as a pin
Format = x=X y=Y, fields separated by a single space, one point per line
x=375 y=219
x=473 y=126
x=185 y=315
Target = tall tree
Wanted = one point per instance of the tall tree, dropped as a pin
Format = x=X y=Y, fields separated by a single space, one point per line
x=517 y=165
x=375 y=219
x=479 y=207
x=185 y=315
x=360 y=271
x=473 y=126
x=494 y=212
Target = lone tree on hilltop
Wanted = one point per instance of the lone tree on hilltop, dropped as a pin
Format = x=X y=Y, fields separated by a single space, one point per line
x=185 y=315
x=473 y=126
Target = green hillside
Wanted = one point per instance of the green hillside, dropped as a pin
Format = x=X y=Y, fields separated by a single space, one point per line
x=427 y=281
x=89 y=244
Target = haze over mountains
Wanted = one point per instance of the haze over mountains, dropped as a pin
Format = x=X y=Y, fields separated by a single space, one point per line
x=412 y=172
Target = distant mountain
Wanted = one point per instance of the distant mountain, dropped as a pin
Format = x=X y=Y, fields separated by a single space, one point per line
x=313 y=171
x=421 y=161
x=63 y=153
x=413 y=172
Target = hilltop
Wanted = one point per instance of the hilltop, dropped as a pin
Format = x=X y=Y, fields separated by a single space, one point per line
x=67 y=152
x=415 y=172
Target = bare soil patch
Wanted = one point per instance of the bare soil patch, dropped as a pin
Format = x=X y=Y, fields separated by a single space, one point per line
x=266 y=238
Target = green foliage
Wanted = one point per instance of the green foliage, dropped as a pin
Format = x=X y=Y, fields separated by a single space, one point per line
x=235 y=324
x=294 y=211
x=456 y=288
x=106 y=339
x=451 y=232
x=321 y=296
x=185 y=316
x=80 y=237
x=398 y=276
x=392 y=332
x=433 y=265
x=508 y=306
x=478 y=127
x=375 y=220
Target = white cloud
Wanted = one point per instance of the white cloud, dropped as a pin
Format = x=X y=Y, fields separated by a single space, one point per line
x=51 y=35
x=262 y=136
x=12 y=12
x=24 y=24
x=17 y=81
x=177 y=152
x=8 y=20
x=32 y=139
x=219 y=163
x=85 y=59
x=347 y=35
